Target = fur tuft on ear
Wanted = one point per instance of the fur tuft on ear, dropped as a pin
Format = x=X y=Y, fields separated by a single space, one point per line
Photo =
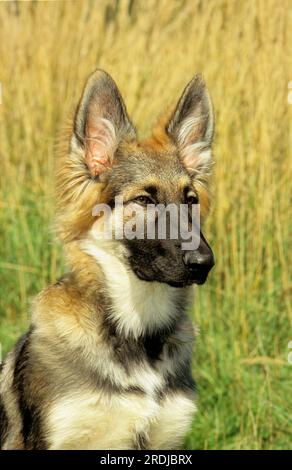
x=191 y=127
x=101 y=122
x=100 y=145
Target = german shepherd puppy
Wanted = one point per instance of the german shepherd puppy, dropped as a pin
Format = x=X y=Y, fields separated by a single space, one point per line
x=106 y=363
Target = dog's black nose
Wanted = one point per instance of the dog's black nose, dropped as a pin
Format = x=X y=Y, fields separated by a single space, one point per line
x=199 y=262
x=198 y=265
x=195 y=258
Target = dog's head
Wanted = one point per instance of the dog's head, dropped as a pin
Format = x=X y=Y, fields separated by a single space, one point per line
x=106 y=163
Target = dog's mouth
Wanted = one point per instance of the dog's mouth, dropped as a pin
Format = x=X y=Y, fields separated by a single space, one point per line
x=189 y=280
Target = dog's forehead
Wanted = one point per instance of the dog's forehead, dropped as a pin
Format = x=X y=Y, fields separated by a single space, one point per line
x=140 y=163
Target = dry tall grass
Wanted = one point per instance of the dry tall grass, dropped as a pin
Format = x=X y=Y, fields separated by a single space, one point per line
x=243 y=48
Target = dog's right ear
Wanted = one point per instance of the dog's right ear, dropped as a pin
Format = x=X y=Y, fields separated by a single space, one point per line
x=101 y=122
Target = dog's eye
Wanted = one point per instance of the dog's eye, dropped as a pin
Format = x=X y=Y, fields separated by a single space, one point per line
x=192 y=199
x=143 y=200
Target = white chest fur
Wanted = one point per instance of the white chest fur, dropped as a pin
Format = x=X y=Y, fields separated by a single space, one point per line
x=93 y=421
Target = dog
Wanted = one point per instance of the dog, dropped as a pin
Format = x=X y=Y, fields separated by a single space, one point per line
x=106 y=363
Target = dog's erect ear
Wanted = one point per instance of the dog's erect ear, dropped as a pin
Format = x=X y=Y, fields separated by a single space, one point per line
x=101 y=122
x=191 y=126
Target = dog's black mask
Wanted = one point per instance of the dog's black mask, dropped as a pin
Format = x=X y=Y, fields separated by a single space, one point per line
x=165 y=261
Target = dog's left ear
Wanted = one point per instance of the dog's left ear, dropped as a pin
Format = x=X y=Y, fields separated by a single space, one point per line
x=191 y=127
x=101 y=122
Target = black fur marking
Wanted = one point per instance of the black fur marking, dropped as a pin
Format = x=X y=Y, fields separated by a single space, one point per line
x=129 y=350
x=140 y=442
x=135 y=389
x=31 y=422
x=153 y=344
x=3 y=423
x=182 y=380
x=152 y=190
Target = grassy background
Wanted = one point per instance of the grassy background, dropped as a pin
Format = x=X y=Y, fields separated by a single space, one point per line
x=152 y=49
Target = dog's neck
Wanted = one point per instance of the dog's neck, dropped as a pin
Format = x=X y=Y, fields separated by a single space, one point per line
x=136 y=307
